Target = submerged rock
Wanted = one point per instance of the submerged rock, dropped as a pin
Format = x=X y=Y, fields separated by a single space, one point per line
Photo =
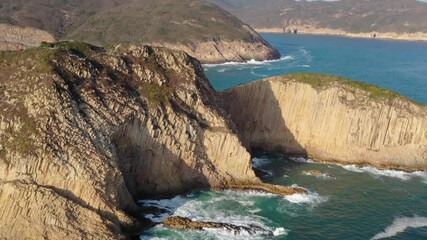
x=269 y=188
x=318 y=173
x=312 y=172
x=186 y=223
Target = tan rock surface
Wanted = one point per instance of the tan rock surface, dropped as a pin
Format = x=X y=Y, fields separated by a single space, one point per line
x=226 y=51
x=186 y=223
x=83 y=133
x=15 y=37
x=330 y=119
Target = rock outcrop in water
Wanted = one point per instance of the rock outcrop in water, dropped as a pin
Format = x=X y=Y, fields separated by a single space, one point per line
x=84 y=132
x=186 y=223
x=330 y=119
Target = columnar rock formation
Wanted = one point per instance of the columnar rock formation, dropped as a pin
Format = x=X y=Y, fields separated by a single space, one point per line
x=330 y=119
x=84 y=132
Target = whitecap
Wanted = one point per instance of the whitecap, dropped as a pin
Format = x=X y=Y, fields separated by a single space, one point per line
x=258 y=162
x=311 y=198
x=280 y=231
x=157 y=218
x=306 y=66
x=402 y=175
x=400 y=225
x=250 y=62
x=302 y=160
x=142 y=237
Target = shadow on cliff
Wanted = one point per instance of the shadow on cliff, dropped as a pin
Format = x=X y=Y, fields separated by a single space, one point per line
x=258 y=116
x=151 y=170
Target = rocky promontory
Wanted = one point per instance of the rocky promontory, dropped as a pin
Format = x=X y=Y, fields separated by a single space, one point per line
x=330 y=119
x=203 y=30
x=84 y=132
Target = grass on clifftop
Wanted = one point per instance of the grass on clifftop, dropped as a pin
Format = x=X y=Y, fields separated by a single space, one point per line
x=323 y=81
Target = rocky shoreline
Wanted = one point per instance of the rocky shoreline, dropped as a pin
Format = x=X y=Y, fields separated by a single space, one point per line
x=419 y=36
x=186 y=223
x=86 y=131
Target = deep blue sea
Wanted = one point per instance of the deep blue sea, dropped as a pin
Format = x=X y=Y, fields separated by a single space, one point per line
x=400 y=66
x=344 y=202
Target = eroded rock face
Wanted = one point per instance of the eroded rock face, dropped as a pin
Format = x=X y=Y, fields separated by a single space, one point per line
x=84 y=132
x=330 y=119
x=15 y=37
x=219 y=51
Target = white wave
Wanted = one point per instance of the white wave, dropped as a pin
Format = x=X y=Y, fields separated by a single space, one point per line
x=247 y=203
x=400 y=225
x=302 y=160
x=165 y=204
x=142 y=237
x=158 y=218
x=306 y=54
x=221 y=70
x=311 y=198
x=258 y=162
x=306 y=66
x=247 y=193
x=405 y=176
x=280 y=231
x=250 y=62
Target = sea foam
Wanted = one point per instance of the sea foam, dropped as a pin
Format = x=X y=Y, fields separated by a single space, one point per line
x=212 y=207
x=400 y=225
x=250 y=62
x=302 y=160
x=402 y=175
x=311 y=198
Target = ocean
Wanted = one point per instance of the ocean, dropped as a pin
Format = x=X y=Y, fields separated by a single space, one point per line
x=344 y=202
x=400 y=66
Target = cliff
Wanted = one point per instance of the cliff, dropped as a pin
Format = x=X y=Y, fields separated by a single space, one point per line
x=84 y=132
x=204 y=30
x=14 y=37
x=330 y=119
x=403 y=19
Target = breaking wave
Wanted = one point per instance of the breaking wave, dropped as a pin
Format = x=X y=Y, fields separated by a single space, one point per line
x=311 y=198
x=400 y=225
x=250 y=62
x=402 y=175
x=230 y=207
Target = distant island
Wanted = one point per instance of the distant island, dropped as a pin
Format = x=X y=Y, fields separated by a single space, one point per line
x=202 y=29
x=403 y=19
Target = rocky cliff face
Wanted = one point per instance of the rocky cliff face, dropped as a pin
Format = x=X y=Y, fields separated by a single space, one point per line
x=330 y=119
x=83 y=132
x=15 y=37
x=219 y=51
x=204 y=30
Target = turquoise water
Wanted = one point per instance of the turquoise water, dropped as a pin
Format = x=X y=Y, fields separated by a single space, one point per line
x=397 y=65
x=344 y=202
